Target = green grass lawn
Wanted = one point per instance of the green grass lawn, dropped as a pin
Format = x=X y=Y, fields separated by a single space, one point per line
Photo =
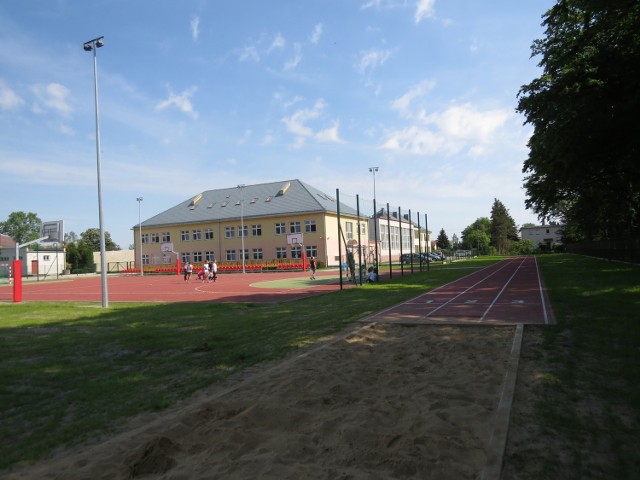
x=69 y=371
x=587 y=388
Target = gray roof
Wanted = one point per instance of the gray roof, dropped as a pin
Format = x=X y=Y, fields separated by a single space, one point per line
x=262 y=200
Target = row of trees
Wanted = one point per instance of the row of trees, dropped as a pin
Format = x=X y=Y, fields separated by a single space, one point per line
x=497 y=234
x=24 y=227
x=583 y=166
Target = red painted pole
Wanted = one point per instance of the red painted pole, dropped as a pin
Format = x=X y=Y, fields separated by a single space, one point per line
x=178 y=266
x=17 y=281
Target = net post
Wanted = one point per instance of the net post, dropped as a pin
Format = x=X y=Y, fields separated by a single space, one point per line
x=17 y=281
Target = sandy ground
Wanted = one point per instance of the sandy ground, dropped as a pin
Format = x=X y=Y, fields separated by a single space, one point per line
x=389 y=402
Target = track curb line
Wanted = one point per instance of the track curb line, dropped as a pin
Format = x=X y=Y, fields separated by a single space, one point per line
x=498 y=441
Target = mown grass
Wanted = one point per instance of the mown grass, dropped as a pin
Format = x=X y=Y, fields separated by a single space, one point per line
x=70 y=371
x=587 y=393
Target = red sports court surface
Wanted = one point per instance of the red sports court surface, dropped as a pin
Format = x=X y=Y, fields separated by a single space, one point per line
x=508 y=292
x=236 y=287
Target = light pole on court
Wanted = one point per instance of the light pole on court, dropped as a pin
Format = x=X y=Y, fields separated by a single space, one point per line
x=139 y=199
x=92 y=46
x=241 y=187
x=373 y=170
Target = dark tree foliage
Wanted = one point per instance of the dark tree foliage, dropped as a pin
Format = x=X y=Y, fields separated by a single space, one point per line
x=443 y=240
x=503 y=228
x=583 y=165
x=478 y=236
x=80 y=256
x=91 y=237
x=22 y=227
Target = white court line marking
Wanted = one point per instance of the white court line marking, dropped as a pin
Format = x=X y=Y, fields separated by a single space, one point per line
x=500 y=292
x=544 y=306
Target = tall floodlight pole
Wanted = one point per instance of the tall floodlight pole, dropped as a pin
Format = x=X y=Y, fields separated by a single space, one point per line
x=373 y=170
x=139 y=199
x=92 y=46
x=241 y=187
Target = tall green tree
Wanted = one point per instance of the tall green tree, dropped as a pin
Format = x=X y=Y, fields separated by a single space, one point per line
x=91 y=237
x=503 y=228
x=478 y=236
x=443 y=240
x=22 y=227
x=583 y=163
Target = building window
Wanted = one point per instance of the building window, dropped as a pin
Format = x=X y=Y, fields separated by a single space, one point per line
x=45 y=258
x=349 y=229
x=281 y=229
x=363 y=229
x=145 y=259
x=145 y=238
x=184 y=235
x=155 y=238
x=230 y=255
x=294 y=227
x=209 y=256
x=243 y=231
x=312 y=251
x=186 y=257
x=244 y=253
x=197 y=257
x=257 y=254
x=281 y=252
x=197 y=234
x=296 y=251
x=208 y=234
x=310 y=226
x=166 y=237
x=230 y=232
x=166 y=259
x=256 y=230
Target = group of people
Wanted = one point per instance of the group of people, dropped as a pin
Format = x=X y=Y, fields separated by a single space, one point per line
x=208 y=273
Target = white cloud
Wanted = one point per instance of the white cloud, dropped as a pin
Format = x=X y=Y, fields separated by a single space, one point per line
x=297 y=125
x=424 y=9
x=195 y=28
x=460 y=128
x=330 y=134
x=250 y=52
x=52 y=96
x=9 y=100
x=316 y=34
x=278 y=42
x=403 y=103
x=372 y=59
x=181 y=101
x=297 y=57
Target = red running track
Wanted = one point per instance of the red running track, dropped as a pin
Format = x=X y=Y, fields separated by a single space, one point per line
x=507 y=293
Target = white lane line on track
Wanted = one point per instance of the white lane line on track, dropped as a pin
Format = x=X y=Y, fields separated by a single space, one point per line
x=540 y=289
x=465 y=291
x=504 y=287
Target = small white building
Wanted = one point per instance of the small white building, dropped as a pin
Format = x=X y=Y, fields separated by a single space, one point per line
x=546 y=237
x=46 y=262
x=36 y=260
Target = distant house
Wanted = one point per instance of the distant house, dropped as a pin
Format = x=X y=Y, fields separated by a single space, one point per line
x=546 y=237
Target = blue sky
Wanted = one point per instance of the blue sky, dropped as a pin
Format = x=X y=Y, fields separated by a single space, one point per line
x=200 y=95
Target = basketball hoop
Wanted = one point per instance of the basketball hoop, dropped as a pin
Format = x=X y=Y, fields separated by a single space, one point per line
x=295 y=239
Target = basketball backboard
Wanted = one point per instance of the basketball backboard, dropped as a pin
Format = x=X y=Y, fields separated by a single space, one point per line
x=53 y=231
x=295 y=239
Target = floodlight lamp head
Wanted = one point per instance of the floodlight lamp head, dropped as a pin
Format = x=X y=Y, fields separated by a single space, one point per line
x=99 y=43
x=87 y=47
